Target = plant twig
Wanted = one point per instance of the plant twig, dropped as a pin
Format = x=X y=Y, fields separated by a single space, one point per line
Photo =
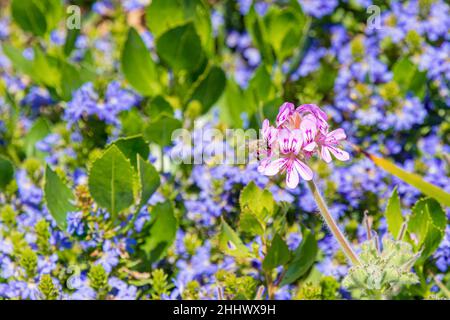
x=342 y=240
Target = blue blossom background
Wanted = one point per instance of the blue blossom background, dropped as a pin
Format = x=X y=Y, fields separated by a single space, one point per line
x=386 y=84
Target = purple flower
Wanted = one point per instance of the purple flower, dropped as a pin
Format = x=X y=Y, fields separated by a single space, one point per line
x=75 y=223
x=318 y=8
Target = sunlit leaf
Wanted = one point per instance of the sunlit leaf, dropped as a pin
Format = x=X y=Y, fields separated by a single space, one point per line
x=59 y=198
x=413 y=179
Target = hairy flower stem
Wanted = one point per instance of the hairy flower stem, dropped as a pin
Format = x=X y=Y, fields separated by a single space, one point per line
x=345 y=245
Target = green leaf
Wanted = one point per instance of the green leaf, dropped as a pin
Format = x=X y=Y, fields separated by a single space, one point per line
x=258 y=33
x=304 y=258
x=6 y=172
x=160 y=131
x=71 y=78
x=59 y=198
x=149 y=179
x=39 y=130
x=161 y=231
x=180 y=48
x=53 y=11
x=163 y=15
x=325 y=78
x=232 y=104
x=394 y=214
x=71 y=38
x=29 y=16
x=249 y=223
x=261 y=88
x=111 y=181
x=55 y=73
x=46 y=69
x=418 y=223
x=42 y=69
x=209 y=88
x=18 y=60
x=132 y=122
x=158 y=106
x=259 y=202
x=138 y=66
x=277 y=255
x=413 y=179
x=426 y=226
x=133 y=146
x=284 y=29
x=409 y=78
x=230 y=243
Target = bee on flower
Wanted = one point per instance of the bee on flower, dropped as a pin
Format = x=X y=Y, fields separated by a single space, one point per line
x=299 y=134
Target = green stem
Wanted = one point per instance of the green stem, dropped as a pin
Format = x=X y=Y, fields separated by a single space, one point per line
x=441 y=286
x=345 y=245
x=162 y=159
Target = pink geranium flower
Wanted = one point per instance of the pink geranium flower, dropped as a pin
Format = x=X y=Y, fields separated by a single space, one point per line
x=299 y=134
x=287 y=109
x=328 y=143
x=290 y=143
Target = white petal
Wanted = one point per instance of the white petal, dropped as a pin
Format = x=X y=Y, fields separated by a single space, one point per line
x=310 y=146
x=274 y=167
x=339 y=154
x=305 y=172
x=325 y=154
x=296 y=141
x=338 y=134
x=284 y=141
x=292 y=178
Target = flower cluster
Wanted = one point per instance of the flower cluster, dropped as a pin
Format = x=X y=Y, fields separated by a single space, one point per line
x=299 y=134
x=65 y=98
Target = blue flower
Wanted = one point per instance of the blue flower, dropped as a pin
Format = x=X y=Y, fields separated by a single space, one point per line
x=120 y=290
x=75 y=223
x=318 y=8
x=109 y=257
x=442 y=254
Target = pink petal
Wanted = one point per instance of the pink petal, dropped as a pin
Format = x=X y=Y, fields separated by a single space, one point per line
x=296 y=141
x=305 y=172
x=292 y=178
x=263 y=165
x=284 y=140
x=285 y=112
x=338 y=134
x=325 y=154
x=310 y=146
x=265 y=127
x=309 y=128
x=269 y=133
x=339 y=154
x=314 y=109
x=274 y=167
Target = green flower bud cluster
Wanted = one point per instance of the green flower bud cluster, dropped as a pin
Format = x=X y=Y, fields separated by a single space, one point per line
x=192 y=291
x=43 y=236
x=29 y=261
x=382 y=273
x=47 y=288
x=98 y=280
x=308 y=291
x=235 y=287
x=414 y=41
x=159 y=283
x=8 y=216
x=191 y=243
x=327 y=289
x=33 y=168
x=357 y=47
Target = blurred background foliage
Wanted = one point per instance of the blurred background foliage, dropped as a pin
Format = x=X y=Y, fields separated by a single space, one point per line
x=137 y=70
